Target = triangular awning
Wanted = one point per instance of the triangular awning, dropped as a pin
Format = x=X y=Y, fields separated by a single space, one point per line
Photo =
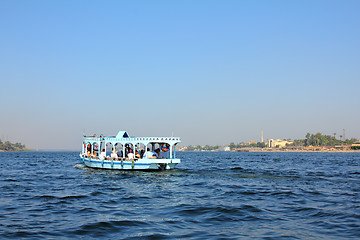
x=122 y=134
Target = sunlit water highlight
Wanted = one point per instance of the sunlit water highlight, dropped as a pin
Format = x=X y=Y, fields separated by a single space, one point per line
x=210 y=196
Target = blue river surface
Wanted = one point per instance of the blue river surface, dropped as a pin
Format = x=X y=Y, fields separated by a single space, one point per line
x=211 y=195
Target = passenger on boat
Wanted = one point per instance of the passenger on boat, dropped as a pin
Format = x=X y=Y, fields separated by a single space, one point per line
x=89 y=149
x=150 y=154
x=165 y=147
x=120 y=154
x=142 y=153
x=137 y=154
x=102 y=155
x=157 y=151
x=127 y=148
x=130 y=154
x=94 y=154
x=114 y=155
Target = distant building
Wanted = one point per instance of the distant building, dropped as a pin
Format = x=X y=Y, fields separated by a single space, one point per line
x=278 y=143
x=181 y=149
x=356 y=145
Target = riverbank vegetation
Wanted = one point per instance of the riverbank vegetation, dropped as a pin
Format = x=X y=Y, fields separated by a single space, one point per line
x=325 y=140
x=203 y=148
x=8 y=146
x=315 y=140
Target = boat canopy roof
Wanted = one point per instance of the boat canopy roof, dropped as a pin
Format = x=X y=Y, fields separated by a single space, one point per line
x=123 y=137
x=122 y=134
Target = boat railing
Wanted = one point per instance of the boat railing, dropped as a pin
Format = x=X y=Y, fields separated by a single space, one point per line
x=115 y=159
x=158 y=139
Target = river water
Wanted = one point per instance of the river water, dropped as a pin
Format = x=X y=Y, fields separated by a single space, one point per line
x=225 y=195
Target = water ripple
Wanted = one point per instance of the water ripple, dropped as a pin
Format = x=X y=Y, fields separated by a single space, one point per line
x=210 y=196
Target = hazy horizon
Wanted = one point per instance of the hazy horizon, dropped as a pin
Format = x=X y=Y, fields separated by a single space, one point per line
x=210 y=72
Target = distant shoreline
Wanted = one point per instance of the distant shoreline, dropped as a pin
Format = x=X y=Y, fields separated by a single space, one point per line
x=285 y=151
x=25 y=150
x=308 y=151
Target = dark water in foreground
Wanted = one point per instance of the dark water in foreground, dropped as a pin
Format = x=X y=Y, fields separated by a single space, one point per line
x=210 y=196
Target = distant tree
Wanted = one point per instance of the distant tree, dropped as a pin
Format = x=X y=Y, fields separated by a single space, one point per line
x=317 y=139
x=232 y=146
x=307 y=139
x=8 y=146
x=298 y=142
x=350 y=141
x=190 y=148
x=321 y=140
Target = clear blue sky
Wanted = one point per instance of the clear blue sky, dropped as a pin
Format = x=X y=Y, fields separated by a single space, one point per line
x=211 y=72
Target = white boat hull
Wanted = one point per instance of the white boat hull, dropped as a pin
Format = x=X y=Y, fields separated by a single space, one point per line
x=137 y=164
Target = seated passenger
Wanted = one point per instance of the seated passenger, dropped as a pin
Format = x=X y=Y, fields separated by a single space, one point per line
x=114 y=155
x=165 y=147
x=131 y=154
x=119 y=154
x=88 y=154
x=137 y=154
x=142 y=153
x=102 y=155
x=157 y=151
x=150 y=154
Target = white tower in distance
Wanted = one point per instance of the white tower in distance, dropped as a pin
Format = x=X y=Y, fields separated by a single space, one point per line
x=262 y=136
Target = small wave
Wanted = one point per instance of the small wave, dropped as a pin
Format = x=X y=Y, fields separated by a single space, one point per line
x=96 y=193
x=126 y=198
x=283 y=193
x=104 y=227
x=10 y=180
x=237 y=168
x=197 y=210
x=73 y=197
x=86 y=210
x=80 y=166
x=47 y=197
x=248 y=192
x=251 y=218
x=18 y=234
x=251 y=208
x=304 y=209
x=313 y=192
x=219 y=209
x=325 y=214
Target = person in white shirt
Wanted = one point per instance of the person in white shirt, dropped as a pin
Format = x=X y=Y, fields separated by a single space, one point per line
x=130 y=154
x=114 y=155
x=150 y=154
x=102 y=155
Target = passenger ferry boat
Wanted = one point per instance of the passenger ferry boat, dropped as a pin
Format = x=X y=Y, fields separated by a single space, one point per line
x=129 y=153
